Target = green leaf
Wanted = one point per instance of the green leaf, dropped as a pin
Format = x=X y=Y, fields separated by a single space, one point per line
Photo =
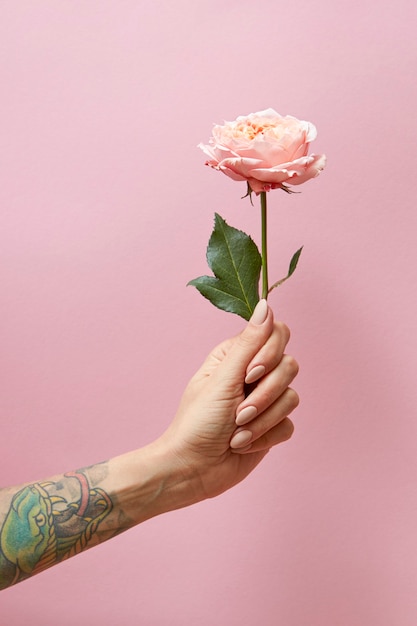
x=291 y=269
x=294 y=262
x=236 y=263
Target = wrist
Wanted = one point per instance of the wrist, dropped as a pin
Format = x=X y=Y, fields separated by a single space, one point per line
x=151 y=481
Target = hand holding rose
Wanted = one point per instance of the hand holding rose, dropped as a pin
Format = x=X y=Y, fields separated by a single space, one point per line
x=233 y=411
x=220 y=434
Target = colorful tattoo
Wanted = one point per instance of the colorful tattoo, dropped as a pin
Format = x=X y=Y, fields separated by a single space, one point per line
x=42 y=528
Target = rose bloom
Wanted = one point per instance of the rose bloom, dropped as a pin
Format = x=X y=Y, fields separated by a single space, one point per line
x=265 y=149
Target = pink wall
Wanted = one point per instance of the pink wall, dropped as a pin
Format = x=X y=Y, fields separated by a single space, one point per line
x=106 y=209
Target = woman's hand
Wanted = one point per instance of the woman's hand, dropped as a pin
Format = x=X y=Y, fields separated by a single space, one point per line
x=233 y=411
x=235 y=408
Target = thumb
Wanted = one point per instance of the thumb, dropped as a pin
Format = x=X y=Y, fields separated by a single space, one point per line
x=250 y=341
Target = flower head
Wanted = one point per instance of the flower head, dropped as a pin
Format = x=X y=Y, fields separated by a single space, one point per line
x=265 y=149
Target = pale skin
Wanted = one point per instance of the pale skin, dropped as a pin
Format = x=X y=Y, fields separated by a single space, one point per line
x=233 y=411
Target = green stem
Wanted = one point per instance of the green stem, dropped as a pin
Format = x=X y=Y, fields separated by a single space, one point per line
x=265 y=287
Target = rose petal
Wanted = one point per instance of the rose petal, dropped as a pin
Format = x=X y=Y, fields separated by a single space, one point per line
x=313 y=170
x=243 y=167
x=294 y=173
x=276 y=173
x=231 y=174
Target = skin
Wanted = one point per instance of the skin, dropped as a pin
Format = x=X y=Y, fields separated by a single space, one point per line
x=25 y=532
x=203 y=453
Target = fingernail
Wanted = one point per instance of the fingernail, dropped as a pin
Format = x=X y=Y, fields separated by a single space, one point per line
x=245 y=449
x=241 y=439
x=246 y=415
x=255 y=374
x=260 y=313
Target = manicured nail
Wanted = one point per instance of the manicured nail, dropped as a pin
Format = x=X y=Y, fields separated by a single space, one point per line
x=241 y=439
x=260 y=313
x=246 y=415
x=240 y=450
x=257 y=372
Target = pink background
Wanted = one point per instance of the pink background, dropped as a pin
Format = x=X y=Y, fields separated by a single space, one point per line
x=106 y=209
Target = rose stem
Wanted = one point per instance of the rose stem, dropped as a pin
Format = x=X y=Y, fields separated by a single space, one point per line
x=265 y=287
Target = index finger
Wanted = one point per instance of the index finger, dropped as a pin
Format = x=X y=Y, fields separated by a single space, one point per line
x=270 y=354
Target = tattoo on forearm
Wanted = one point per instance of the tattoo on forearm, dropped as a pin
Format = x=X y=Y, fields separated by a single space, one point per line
x=42 y=527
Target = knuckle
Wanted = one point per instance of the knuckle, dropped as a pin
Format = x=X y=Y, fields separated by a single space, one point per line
x=282 y=432
x=283 y=330
x=244 y=340
x=291 y=366
x=292 y=399
x=249 y=339
x=287 y=429
x=267 y=397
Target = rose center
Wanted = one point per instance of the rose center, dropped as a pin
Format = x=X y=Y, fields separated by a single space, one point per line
x=252 y=128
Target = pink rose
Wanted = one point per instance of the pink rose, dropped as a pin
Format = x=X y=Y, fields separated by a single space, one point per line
x=265 y=149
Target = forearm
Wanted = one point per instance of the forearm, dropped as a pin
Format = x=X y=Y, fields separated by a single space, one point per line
x=219 y=435
x=46 y=522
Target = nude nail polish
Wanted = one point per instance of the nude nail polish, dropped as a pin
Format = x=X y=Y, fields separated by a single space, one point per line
x=260 y=313
x=257 y=372
x=240 y=450
x=242 y=438
x=246 y=415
